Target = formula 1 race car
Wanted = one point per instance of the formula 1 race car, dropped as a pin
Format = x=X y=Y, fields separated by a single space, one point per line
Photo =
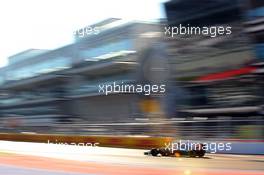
x=196 y=152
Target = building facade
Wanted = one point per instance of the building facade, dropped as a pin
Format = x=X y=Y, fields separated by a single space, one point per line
x=41 y=88
x=217 y=72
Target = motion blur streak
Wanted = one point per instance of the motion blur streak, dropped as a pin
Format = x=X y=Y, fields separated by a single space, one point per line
x=117 y=161
x=213 y=87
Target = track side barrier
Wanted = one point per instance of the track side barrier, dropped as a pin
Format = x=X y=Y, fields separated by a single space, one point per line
x=105 y=141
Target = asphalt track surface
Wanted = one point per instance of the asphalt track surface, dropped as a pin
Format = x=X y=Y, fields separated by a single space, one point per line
x=19 y=158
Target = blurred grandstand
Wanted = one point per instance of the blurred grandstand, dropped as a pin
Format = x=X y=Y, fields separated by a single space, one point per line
x=214 y=85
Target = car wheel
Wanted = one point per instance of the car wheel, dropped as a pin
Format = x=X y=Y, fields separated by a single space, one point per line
x=201 y=154
x=192 y=154
x=154 y=152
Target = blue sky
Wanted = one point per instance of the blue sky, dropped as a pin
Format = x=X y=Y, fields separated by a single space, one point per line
x=49 y=24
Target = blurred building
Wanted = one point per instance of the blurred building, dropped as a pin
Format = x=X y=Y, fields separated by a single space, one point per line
x=255 y=16
x=218 y=73
x=110 y=56
x=41 y=86
x=34 y=86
